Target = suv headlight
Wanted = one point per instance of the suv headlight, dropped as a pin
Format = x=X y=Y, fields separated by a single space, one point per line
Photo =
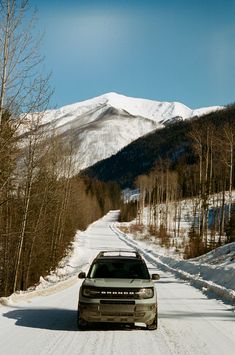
x=90 y=292
x=145 y=292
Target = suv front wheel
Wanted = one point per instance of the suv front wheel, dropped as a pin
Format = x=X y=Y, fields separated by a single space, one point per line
x=154 y=324
x=81 y=323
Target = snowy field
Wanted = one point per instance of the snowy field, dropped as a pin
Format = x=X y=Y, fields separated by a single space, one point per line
x=43 y=320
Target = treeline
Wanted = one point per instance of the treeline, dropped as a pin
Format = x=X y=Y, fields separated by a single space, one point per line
x=128 y=211
x=41 y=204
x=205 y=177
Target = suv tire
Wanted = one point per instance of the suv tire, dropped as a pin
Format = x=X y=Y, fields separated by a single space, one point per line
x=154 y=324
x=81 y=323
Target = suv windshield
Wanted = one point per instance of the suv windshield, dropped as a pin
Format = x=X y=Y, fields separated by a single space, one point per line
x=119 y=269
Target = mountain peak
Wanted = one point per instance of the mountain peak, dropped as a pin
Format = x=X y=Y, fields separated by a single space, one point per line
x=151 y=109
x=157 y=111
x=105 y=124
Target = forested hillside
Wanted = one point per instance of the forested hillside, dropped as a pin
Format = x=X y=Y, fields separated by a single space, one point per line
x=193 y=187
x=174 y=143
x=189 y=161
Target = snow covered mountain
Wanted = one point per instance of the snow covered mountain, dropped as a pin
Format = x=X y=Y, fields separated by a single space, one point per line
x=101 y=126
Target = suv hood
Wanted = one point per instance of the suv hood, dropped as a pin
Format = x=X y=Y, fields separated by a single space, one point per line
x=122 y=283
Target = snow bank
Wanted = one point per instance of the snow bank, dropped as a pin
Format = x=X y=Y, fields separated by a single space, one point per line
x=77 y=259
x=214 y=272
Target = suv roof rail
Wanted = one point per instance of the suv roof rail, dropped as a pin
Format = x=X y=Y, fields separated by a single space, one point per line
x=119 y=252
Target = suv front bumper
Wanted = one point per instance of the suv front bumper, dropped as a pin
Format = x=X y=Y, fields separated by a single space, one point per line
x=118 y=311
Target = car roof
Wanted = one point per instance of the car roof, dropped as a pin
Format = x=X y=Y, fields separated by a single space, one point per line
x=118 y=254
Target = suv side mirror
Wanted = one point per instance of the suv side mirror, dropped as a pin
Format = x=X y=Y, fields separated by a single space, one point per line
x=155 y=276
x=82 y=275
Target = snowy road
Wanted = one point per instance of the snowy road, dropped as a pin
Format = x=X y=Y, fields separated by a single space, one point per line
x=189 y=323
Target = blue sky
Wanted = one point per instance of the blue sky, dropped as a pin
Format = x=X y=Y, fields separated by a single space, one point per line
x=166 y=50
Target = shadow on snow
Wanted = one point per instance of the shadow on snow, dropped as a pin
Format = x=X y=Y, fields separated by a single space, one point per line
x=57 y=319
x=65 y=319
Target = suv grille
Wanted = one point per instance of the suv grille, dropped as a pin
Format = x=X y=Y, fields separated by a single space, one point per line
x=117 y=302
x=113 y=293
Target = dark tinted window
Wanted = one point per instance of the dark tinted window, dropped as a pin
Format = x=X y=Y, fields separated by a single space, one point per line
x=119 y=269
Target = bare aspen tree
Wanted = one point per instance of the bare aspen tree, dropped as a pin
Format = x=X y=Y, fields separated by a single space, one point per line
x=150 y=186
x=35 y=234
x=198 y=147
x=227 y=150
x=173 y=197
x=67 y=172
x=22 y=87
x=33 y=151
x=141 y=183
x=23 y=90
x=61 y=165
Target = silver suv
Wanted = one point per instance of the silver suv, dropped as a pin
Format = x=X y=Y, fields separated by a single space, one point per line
x=118 y=289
